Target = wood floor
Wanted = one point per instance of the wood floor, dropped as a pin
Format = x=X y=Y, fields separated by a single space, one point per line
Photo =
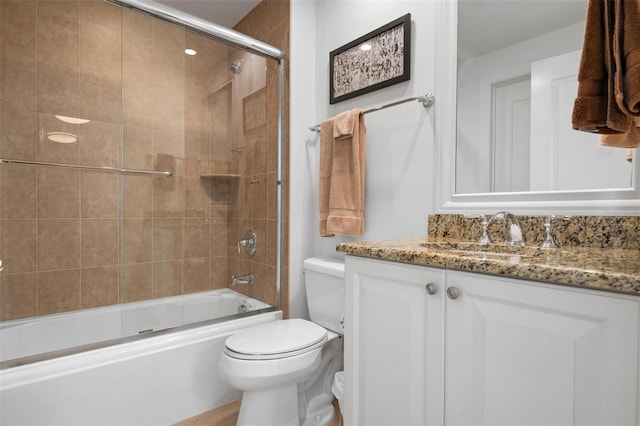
x=227 y=415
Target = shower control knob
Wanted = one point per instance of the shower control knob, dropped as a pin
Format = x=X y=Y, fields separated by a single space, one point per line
x=453 y=293
x=431 y=288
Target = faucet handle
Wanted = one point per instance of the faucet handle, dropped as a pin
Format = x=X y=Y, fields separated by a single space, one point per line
x=552 y=218
x=548 y=241
x=249 y=243
x=475 y=216
x=484 y=238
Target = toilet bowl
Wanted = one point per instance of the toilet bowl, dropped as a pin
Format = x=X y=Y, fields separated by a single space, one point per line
x=285 y=368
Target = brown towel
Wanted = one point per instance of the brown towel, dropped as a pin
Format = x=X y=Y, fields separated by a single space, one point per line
x=342 y=144
x=627 y=56
x=609 y=78
x=629 y=140
x=626 y=46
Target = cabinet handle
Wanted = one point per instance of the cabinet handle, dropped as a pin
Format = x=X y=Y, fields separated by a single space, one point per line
x=431 y=288
x=453 y=293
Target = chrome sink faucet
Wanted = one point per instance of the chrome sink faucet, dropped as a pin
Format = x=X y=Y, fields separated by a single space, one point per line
x=513 y=235
x=514 y=231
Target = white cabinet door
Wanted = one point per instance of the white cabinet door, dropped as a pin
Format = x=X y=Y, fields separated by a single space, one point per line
x=393 y=344
x=519 y=353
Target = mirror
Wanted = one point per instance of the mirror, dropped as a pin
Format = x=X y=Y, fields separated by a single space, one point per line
x=509 y=111
x=517 y=80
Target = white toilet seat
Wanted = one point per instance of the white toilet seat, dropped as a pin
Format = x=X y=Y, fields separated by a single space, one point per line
x=276 y=340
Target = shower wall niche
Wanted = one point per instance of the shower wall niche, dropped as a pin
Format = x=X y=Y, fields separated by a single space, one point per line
x=115 y=88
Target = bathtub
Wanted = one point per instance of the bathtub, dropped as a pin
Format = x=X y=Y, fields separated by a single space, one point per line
x=133 y=364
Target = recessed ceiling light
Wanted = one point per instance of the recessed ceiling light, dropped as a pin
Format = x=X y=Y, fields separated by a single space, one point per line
x=365 y=47
x=72 y=120
x=190 y=52
x=62 y=137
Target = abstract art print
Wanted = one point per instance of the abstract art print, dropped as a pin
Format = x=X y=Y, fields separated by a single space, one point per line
x=376 y=60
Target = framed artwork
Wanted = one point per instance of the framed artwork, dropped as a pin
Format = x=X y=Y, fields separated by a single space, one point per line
x=378 y=59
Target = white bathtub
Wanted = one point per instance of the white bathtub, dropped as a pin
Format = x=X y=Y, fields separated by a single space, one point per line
x=155 y=379
x=37 y=335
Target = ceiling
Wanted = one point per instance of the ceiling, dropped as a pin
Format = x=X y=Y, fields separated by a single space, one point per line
x=483 y=25
x=222 y=12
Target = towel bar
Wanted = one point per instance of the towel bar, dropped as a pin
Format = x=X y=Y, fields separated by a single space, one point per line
x=426 y=101
x=83 y=167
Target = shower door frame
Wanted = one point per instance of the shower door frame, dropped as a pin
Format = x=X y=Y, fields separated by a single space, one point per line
x=242 y=41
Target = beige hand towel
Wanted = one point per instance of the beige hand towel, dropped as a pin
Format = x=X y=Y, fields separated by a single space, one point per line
x=326 y=164
x=342 y=153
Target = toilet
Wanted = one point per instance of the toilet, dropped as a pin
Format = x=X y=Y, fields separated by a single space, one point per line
x=286 y=368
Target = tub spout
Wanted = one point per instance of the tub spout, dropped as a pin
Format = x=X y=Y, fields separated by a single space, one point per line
x=242 y=279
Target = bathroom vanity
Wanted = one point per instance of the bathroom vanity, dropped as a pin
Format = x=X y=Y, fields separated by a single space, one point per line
x=442 y=332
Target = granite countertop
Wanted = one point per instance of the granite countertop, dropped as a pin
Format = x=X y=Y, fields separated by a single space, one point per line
x=608 y=269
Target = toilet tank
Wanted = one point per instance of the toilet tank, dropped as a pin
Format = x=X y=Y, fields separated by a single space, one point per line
x=324 y=282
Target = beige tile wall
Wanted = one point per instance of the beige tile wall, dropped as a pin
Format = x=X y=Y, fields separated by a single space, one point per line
x=69 y=239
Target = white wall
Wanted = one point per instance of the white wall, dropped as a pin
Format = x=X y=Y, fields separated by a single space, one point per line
x=400 y=141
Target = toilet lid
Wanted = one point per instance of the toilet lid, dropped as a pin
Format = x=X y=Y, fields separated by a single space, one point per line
x=279 y=339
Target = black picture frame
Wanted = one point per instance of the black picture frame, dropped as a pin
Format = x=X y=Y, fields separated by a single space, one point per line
x=354 y=71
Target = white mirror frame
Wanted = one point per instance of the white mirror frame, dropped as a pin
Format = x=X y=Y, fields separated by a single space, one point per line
x=623 y=202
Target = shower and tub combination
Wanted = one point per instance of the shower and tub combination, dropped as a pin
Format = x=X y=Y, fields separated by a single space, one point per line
x=130 y=170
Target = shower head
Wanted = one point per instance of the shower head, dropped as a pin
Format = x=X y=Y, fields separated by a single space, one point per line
x=236 y=66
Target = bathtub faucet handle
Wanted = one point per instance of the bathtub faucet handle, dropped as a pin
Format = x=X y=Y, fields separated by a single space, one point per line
x=249 y=242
